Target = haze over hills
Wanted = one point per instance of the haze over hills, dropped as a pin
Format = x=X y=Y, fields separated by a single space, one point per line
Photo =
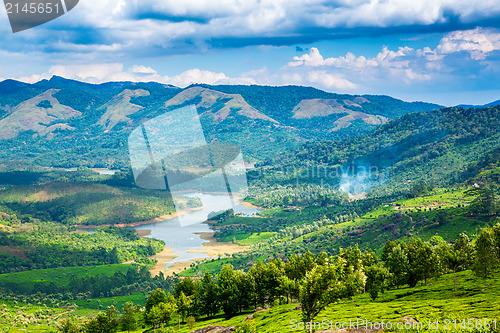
x=435 y=146
x=67 y=123
x=479 y=106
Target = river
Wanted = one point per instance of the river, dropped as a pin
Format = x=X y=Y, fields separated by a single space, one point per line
x=182 y=238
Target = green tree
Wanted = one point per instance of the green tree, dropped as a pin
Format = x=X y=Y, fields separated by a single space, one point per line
x=397 y=262
x=465 y=250
x=183 y=307
x=154 y=316
x=208 y=296
x=424 y=261
x=227 y=290
x=320 y=287
x=167 y=311
x=155 y=297
x=129 y=317
x=453 y=260
x=104 y=322
x=68 y=325
x=376 y=277
x=485 y=201
x=486 y=254
x=190 y=322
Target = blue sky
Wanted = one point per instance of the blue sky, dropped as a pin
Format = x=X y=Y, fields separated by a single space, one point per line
x=443 y=51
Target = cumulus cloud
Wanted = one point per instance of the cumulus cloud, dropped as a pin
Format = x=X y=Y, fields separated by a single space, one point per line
x=404 y=64
x=330 y=80
x=478 y=42
x=202 y=76
x=99 y=73
x=396 y=63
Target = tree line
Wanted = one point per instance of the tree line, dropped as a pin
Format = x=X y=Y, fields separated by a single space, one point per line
x=317 y=281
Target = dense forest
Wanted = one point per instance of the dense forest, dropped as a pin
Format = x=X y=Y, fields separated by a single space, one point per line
x=316 y=281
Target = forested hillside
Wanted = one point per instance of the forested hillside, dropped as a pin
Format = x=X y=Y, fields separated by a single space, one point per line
x=435 y=146
x=66 y=123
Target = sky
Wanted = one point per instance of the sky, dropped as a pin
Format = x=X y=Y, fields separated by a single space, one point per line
x=441 y=51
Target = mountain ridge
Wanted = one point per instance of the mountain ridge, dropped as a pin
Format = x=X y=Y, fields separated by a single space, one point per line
x=100 y=116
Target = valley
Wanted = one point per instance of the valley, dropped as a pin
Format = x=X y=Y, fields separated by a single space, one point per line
x=356 y=207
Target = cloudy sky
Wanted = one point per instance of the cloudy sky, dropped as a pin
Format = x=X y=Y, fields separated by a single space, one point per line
x=443 y=51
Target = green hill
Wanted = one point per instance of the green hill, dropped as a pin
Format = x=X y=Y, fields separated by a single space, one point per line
x=434 y=146
x=66 y=123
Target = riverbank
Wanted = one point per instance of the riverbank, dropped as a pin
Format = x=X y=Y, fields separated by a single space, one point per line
x=249 y=205
x=211 y=247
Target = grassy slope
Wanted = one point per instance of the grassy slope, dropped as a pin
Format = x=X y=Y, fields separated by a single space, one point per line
x=474 y=298
x=60 y=275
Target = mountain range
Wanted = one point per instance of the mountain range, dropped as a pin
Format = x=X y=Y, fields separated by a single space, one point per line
x=67 y=123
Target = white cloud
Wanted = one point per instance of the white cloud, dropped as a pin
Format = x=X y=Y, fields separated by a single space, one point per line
x=330 y=80
x=478 y=42
x=94 y=73
x=142 y=70
x=395 y=63
x=386 y=58
x=202 y=76
x=99 y=73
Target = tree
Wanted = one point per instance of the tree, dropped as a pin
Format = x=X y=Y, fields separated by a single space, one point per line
x=397 y=262
x=258 y=273
x=453 y=261
x=167 y=311
x=68 y=325
x=423 y=261
x=190 y=322
x=288 y=287
x=208 y=296
x=104 y=322
x=183 y=306
x=321 y=286
x=465 y=250
x=485 y=201
x=418 y=189
x=376 y=277
x=156 y=297
x=486 y=254
x=227 y=290
x=129 y=317
x=297 y=266
x=153 y=316
x=186 y=285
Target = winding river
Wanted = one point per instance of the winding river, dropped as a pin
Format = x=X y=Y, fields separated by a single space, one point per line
x=183 y=238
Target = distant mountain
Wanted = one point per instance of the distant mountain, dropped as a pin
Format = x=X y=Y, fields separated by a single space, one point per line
x=67 y=123
x=479 y=106
x=435 y=146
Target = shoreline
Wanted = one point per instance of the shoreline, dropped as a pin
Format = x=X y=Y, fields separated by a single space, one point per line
x=163 y=257
x=211 y=247
x=249 y=205
x=158 y=219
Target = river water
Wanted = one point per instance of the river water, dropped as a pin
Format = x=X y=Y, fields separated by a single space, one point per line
x=181 y=237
